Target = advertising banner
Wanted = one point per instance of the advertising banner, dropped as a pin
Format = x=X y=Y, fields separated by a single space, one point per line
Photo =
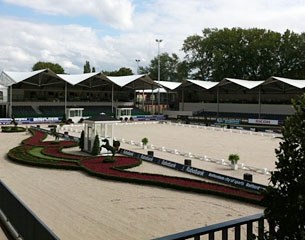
x=196 y=171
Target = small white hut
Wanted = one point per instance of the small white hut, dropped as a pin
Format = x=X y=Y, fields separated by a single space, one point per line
x=123 y=113
x=75 y=114
x=103 y=127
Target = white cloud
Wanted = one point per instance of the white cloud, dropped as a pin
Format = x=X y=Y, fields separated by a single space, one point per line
x=173 y=21
x=116 y=13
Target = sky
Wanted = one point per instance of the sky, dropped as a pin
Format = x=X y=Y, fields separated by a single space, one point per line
x=111 y=34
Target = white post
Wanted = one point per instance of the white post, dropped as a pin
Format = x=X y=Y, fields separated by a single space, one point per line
x=158 y=42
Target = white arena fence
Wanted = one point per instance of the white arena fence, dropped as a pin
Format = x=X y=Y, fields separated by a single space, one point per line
x=242 y=166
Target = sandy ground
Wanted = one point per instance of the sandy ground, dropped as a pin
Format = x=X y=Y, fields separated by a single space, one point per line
x=77 y=206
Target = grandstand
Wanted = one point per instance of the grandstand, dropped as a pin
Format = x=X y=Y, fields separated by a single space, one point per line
x=46 y=94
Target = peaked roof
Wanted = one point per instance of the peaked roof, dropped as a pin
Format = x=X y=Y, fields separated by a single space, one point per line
x=74 y=79
x=244 y=83
x=97 y=79
x=134 y=81
x=8 y=78
x=168 y=85
x=202 y=84
x=298 y=83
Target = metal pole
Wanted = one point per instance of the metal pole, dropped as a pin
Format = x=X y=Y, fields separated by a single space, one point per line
x=112 y=98
x=158 y=42
x=66 y=90
x=11 y=102
x=138 y=60
x=259 y=102
x=217 y=102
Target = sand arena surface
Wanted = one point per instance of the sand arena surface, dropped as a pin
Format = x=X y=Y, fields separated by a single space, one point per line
x=78 y=206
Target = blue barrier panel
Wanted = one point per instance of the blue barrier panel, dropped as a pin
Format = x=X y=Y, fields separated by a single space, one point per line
x=236 y=182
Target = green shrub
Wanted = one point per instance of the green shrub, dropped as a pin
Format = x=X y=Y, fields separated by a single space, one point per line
x=96 y=146
x=81 y=142
x=144 y=141
x=233 y=158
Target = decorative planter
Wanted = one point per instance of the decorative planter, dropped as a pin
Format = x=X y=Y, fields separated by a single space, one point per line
x=234 y=166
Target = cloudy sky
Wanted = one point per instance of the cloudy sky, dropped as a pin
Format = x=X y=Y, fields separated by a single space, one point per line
x=113 y=33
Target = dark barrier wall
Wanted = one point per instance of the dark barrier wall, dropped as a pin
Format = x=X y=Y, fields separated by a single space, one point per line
x=24 y=221
x=196 y=171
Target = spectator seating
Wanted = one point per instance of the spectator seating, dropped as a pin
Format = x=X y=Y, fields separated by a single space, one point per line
x=24 y=111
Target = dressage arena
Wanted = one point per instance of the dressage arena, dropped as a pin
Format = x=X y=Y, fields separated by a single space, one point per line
x=77 y=206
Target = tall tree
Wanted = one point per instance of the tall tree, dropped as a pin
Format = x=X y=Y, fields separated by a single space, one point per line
x=199 y=55
x=245 y=53
x=87 y=68
x=123 y=71
x=171 y=69
x=55 y=67
x=291 y=59
x=285 y=196
x=93 y=69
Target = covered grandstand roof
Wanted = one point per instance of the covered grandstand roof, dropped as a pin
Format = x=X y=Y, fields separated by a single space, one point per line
x=86 y=79
x=34 y=78
x=47 y=77
x=169 y=85
x=202 y=84
x=134 y=81
x=244 y=83
x=298 y=83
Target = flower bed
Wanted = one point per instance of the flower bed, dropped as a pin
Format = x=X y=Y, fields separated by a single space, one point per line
x=115 y=170
x=38 y=137
x=21 y=154
x=10 y=129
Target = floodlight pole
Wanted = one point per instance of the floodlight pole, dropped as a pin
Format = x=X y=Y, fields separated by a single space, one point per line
x=138 y=60
x=158 y=42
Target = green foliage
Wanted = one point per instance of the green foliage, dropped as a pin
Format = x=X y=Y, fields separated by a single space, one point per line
x=82 y=140
x=55 y=67
x=96 y=146
x=144 y=141
x=285 y=196
x=123 y=71
x=252 y=54
x=12 y=129
x=87 y=68
x=108 y=159
x=171 y=68
x=233 y=158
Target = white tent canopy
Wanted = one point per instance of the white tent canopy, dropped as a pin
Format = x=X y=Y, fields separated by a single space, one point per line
x=244 y=83
x=202 y=84
x=74 y=79
x=169 y=85
x=298 y=83
x=134 y=81
x=9 y=78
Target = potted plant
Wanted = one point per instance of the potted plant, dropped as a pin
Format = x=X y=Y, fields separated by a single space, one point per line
x=144 y=142
x=233 y=158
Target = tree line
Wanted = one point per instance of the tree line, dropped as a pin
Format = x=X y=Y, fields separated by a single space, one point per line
x=251 y=54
